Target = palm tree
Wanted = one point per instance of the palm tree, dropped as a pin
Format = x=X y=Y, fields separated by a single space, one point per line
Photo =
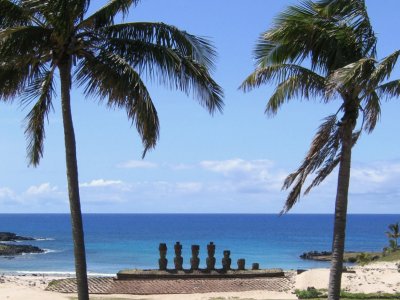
x=394 y=234
x=39 y=38
x=326 y=49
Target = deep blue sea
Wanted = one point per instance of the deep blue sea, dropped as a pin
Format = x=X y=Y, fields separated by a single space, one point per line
x=120 y=241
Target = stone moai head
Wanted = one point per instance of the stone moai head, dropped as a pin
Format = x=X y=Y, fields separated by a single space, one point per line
x=163 y=249
x=178 y=248
x=195 y=250
x=211 y=249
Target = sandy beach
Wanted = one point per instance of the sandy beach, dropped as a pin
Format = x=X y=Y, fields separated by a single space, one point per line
x=372 y=278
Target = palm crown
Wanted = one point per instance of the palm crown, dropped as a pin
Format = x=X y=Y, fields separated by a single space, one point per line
x=108 y=59
x=327 y=50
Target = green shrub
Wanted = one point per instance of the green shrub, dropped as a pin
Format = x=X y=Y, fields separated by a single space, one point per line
x=309 y=293
x=364 y=258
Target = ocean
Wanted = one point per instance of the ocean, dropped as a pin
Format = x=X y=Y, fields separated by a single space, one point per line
x=120 y=241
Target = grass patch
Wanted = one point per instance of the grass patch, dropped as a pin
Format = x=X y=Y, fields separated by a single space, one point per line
x=392 y=256
x=312 y=293
x=230 y=298
x=107 y=298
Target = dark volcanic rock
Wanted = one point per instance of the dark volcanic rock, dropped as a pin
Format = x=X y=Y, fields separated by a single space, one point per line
x=316 y=255
x=12 y=237
x=10 y=250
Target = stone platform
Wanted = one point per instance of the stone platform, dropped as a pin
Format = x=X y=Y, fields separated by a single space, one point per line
x=197 y=274
x=109 y=285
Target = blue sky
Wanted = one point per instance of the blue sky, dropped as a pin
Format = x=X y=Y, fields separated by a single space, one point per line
x=231 y=162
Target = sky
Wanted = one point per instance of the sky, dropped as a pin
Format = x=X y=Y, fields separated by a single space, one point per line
x=234 y=162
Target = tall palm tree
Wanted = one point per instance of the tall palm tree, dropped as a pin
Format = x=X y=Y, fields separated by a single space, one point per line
x=394 y=234
x=39 y=38
x=326 y=49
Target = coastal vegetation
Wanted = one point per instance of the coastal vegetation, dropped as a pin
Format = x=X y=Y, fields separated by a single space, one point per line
x=313 y=293
x=41 y=40
x=326 y=50
x=393 y=234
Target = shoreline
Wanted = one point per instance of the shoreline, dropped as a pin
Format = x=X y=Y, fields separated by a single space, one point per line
x=372 y=278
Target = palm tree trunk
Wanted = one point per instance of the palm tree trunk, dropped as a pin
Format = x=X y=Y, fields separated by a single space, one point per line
x=73 y=183
x=339 y=230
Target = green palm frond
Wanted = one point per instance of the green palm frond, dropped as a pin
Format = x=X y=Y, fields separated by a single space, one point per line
x=384 y=69
x=353 y=77
x=354 y=14
x=199 y=49
x=13 y=79
x=371 y=111
x=105 y=15
x=25 y=41
x=108 y=76
x=294 y=81
x=281 y=72
x=12 y=15
x=301 y=32
x=389 y=90
x=43 y=89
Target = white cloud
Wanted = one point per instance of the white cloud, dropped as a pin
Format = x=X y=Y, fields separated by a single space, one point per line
x=246 y=176
x=42 y=189
x=376 y=173
x=6 y=193
x=138 y=164
x=189 y=187
x=232 y=166
x=101 y=183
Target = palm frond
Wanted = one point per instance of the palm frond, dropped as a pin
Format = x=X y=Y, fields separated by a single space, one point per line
x=371 y=111
x=384 y=68
x=303 y=31
x=281 y=72
x=13 y=79
x=168 y=66
x=389 y=90
x=324 y=147
x=25 y=41
x=329 y=165
x=12 y=14
x=108 y=76
x=354 y=77
x=294 y=81
x=42 y=88
x=160 y=34
x=105 y=15
x=354 y=14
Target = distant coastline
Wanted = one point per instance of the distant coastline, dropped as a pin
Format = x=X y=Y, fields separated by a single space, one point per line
x=10 y=250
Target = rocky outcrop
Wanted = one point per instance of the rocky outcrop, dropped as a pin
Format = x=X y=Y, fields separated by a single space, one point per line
x=317 y=255
x=11 y=250
x=7 y=249
x=12 y=237
x=348 y=256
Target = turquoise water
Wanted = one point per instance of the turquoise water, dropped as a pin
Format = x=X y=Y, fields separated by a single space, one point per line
x=119 y=241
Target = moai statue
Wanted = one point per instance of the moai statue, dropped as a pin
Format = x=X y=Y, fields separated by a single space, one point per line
x=194 y=260
x=163 y=261
x=210 y=261
x=226 y=260
x=241 y=264
x=178 y=260
x=255 y=266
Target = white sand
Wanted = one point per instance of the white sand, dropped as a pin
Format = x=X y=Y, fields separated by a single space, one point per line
x=372 y=278
x=378 y=277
